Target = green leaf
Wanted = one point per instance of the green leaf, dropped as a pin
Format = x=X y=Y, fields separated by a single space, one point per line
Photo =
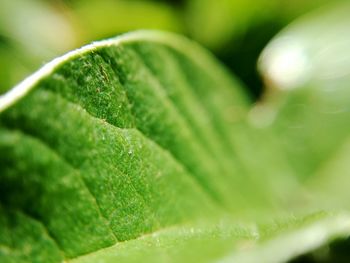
x=139 y=148
x=77 y=23
x=311 y=105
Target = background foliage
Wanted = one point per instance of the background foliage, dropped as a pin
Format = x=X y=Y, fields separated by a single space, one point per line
x=34 y=31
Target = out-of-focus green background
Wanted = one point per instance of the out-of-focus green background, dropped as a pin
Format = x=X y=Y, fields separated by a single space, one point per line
x=33 y=32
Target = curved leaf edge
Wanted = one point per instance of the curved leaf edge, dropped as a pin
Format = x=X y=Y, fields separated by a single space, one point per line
x=178 y=42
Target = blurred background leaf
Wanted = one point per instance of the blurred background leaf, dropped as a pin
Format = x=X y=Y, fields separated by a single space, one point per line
x=307 y=70
x=34 y=31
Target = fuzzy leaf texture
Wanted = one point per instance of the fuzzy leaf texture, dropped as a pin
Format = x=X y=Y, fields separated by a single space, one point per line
x=140 y=149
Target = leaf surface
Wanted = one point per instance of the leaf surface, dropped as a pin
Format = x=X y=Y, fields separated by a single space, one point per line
x=139 y=148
